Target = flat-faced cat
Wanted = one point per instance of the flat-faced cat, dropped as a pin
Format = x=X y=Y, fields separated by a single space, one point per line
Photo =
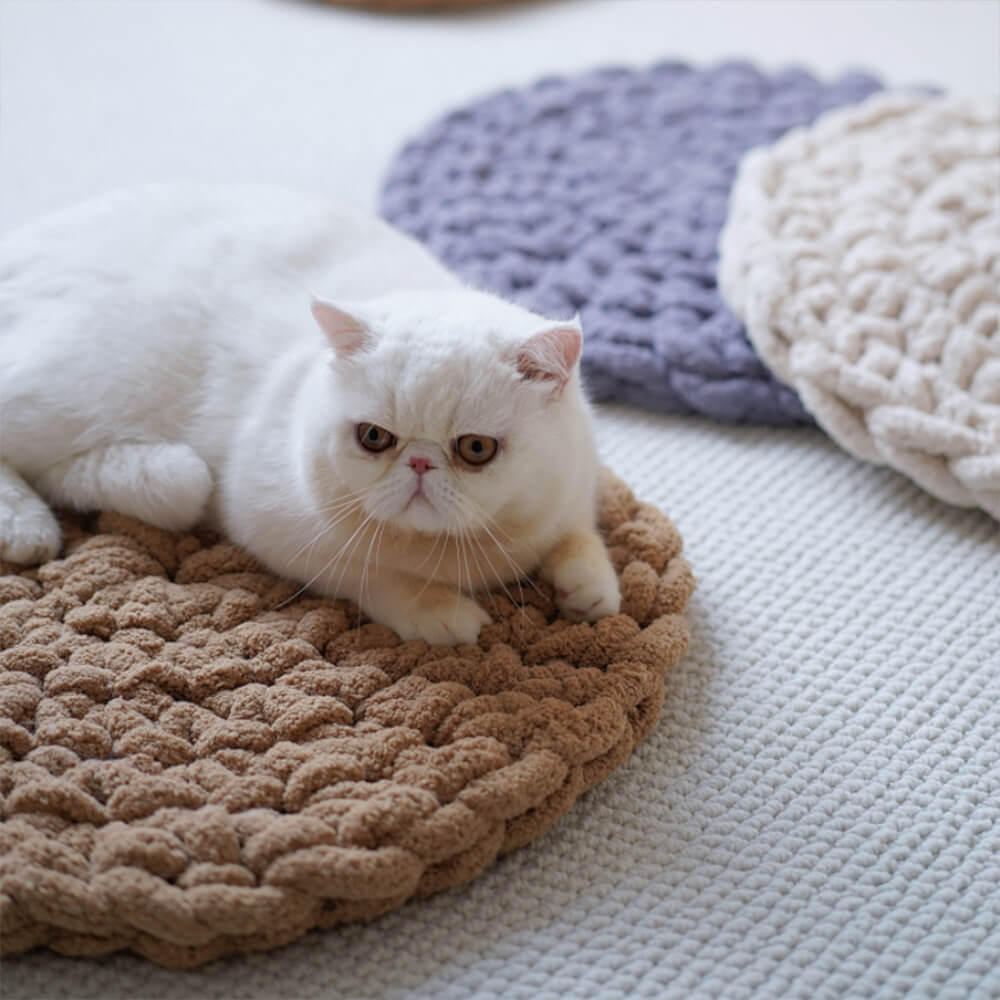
x=310 y=381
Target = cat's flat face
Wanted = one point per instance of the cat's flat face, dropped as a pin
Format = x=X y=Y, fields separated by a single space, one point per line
x=442 y=447
x=441 y=429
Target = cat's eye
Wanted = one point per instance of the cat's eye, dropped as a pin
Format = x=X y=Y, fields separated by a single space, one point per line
x=474 y=449
x=371 y=437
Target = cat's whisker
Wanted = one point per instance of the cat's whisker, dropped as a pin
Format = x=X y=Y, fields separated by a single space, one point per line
x=487 y=589
x=343 y=509
x=378 y=547
x=496 y=576
x=327 y=567
x=288 y=600
x=376 y=535
x=443 y=538
x=358 y=534
x=305 y=586
x=519 y=604
x=516 y=570
x=440 y=537
x=487 y=519
x=462 y=560
x=311 y=545
x=356 y=497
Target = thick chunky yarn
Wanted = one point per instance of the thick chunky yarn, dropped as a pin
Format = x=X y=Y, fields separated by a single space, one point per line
x=191 y=765
x=864 y=255
x=604 y=194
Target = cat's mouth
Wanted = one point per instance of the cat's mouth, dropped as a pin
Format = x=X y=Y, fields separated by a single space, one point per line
x=419 y=514
x=419 y=497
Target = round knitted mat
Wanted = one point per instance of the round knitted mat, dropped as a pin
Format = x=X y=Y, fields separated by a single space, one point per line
x=185 y=772
x=864 y=255
x=604 y=194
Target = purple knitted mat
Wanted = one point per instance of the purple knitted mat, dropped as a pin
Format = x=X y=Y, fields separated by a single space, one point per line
x=605 y=194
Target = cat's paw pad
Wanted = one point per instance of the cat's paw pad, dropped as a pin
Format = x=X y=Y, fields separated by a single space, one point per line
x=29 y=534
x=444 y=622
x=586 y=592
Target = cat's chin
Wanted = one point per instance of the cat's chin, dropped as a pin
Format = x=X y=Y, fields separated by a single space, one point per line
x=420 y=517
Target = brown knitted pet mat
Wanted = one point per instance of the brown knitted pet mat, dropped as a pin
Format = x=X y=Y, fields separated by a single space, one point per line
x=186 y=772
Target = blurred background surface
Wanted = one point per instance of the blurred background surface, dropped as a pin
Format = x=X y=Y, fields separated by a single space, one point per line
x=95 y=94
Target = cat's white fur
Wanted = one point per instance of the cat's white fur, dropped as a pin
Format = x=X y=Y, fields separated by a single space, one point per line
x=158 y=357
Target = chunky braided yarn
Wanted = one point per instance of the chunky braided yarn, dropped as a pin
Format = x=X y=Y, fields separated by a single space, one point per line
x=185 y=772
x=605 y=194
x=864 y=255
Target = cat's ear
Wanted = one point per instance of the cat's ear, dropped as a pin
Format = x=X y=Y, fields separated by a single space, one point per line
x=551 y=355
x=346 y=333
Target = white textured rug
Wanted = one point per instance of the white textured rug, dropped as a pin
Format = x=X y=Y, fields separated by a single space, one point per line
x=817 y=815
x=863 y=254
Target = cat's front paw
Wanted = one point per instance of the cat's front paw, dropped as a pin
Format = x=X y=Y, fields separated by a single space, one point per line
x=29 y=534
x=585 y=582
x=445 y=618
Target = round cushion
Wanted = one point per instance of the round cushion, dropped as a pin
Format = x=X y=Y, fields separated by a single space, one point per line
x=194 y=763
x=864 y=255
x=604 y=194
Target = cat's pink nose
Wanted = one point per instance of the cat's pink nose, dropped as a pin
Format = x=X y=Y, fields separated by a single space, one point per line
x=420 y=465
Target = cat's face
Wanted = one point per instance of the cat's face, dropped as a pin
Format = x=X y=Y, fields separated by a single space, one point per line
x=450 y=415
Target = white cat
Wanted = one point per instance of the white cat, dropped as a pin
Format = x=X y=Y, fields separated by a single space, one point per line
x=410 y=444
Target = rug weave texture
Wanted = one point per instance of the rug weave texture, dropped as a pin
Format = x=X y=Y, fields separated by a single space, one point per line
x=186 y=773
x=604 y=194
x=864 y=255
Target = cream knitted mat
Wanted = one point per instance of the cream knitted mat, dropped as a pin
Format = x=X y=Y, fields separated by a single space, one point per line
x=185 y=772
x=863 y=254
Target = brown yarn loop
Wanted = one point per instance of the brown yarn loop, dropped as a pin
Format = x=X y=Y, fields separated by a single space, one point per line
x=186 y=772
